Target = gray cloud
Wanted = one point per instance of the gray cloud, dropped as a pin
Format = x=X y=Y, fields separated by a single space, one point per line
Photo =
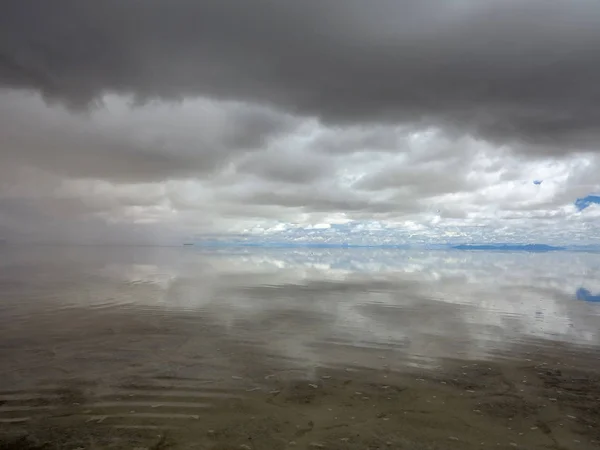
x=524 y=70
x=64 y=220
x=371 y=138
x=287 y=166
x=331 y=199
x=434 y=170
x=214 y=166
x=156 y=144
x=175 y=118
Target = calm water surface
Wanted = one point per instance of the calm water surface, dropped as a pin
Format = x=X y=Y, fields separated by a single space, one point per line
x=114 y=318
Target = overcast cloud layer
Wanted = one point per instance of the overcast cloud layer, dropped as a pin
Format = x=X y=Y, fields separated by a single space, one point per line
x=405 y=120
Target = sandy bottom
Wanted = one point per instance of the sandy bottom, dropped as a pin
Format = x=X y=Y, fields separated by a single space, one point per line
x=524 y=403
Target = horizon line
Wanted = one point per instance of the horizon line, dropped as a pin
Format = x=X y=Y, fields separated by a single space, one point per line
x=433 y=246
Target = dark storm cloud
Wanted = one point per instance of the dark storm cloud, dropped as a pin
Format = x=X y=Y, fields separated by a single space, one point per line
x=158 y=144
x=525 y=69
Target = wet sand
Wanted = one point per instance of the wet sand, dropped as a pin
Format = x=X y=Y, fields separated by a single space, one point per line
x=543 y=401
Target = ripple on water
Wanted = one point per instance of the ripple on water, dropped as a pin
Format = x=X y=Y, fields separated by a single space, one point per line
x=143 y=404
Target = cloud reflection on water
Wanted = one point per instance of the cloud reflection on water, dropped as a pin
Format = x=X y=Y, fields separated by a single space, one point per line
x=429 y=299
x=325 y=307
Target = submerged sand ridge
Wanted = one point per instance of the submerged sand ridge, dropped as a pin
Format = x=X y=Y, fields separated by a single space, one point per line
x=522 y=403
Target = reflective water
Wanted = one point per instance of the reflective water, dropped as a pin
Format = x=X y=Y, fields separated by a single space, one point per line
x=165 y=333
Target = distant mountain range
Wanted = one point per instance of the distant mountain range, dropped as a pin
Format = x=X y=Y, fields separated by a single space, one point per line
x=533 y=248
x=510 y=247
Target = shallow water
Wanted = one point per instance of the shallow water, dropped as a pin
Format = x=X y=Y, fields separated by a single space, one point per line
x=122 y=345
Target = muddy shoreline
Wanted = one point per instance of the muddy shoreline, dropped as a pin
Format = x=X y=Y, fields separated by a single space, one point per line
x=520 y=403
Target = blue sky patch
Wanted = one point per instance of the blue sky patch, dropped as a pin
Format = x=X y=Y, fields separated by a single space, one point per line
x=587 y=296
x=589 y=200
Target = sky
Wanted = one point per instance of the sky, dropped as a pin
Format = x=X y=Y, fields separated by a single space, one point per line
x=401 y=121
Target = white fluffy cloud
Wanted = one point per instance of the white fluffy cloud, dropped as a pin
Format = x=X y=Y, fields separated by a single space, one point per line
x=427 y=119
x=169 y=172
